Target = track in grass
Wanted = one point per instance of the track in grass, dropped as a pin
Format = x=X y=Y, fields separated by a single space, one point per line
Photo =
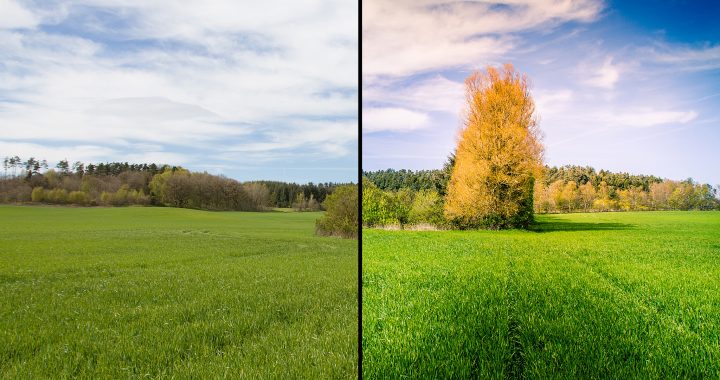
x=162 y=292
x=621 y=295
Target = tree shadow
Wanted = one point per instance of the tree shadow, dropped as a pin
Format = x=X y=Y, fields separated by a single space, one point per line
x=553 y=224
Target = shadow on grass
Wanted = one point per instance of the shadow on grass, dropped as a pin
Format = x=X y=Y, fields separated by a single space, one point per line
x=558 y=224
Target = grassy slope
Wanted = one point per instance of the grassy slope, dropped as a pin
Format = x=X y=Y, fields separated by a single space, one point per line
x=118 y=292
x=620 y=295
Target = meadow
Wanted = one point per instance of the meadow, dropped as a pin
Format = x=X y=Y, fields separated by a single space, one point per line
x=164 y=292
x=598 y=295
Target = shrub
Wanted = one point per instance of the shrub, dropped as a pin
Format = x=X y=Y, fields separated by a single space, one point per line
x=120 y=198
x=381 y=208
x=341 y=217
x=38 y=194
x=105 y=198
x=78 y=197
x=372 y=204
x=59 y=196
x=427 y=207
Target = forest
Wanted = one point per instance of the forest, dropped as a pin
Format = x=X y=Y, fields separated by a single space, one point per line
x=415 y=197
x=123 y=183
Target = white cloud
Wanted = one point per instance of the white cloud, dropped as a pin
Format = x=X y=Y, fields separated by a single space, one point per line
x=605 y=76
x=392 y=119
x=53 y=154
x=685 y=57
x=434 y=94
x=320 y=137
x=13 y=15
x=204 y=75
x=686 y=54
x=550 y=102
x=116 y=122
x=406 y=37
x=649 y=117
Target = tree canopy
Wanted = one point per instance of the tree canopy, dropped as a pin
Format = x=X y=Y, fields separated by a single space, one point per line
x=341 y=217
x=499 y=154
x=122 y=183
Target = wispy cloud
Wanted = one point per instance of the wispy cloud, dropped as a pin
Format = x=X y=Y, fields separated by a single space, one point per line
x=550 y=102
x=683 y=56
x=598 y=77
x=15 y=16
x=649 y=117
x=403 y=40
x=390 y=119
x=206 y=76
x=407 y=37
x=434 y=94
x=604 y=76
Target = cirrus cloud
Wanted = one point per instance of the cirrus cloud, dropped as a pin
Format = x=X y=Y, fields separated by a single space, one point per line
x=392 y=119
x=407 y=37
x=199 y=79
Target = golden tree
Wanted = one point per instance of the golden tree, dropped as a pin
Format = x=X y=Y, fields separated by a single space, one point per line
x=499 y=153
x=587 y=195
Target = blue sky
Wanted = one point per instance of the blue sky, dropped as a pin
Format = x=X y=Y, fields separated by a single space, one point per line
x=628 y=86
x=251 y=90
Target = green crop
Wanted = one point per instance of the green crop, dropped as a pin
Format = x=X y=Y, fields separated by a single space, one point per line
x=603 y=295
x=162 y=292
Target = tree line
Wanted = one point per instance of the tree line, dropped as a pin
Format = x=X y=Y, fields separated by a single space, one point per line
x=301 y=197
x=400 y=207
x=400 y=197
x=15 y=166
x=122 y=183
x=415 y=180
x=436 y=179
x=568 y=196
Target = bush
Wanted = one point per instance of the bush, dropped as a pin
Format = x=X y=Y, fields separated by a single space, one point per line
x=427 y=207
x=105 y=198
x=38 y=194
x=138 y=197
x=120 y=198
x=402 y=203
x=373 y=212
x=78 y=197
x=59 y=196
x=341 y=217
x=381 y=208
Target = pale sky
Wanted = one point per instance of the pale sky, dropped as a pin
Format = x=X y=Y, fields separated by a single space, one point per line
x=618 y=86
x=248 y=89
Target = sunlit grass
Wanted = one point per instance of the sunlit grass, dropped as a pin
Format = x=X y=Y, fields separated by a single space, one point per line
x=606 y=295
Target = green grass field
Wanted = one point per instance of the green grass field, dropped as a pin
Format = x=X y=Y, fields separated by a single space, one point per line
x=163 y=292
x=606 y=295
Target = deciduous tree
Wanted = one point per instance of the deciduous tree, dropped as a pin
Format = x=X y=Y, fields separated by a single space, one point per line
x=587 y=196
x=341 y=217
x=571 y=196
x=499 y=154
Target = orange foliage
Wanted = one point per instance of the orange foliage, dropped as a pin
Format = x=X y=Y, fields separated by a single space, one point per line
x=499 y=154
